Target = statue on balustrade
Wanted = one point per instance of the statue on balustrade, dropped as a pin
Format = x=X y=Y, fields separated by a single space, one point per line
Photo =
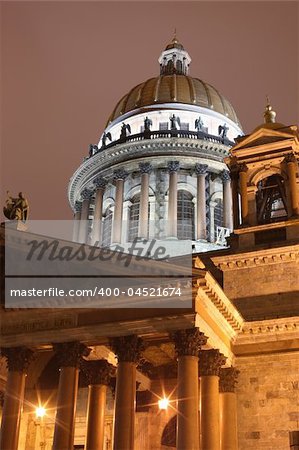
x=16 y=208
x=147 y=124
x=105 y=137
x=222 y=130
x=125 y=130
x=199 y=124
x=93 y=149
x=174 y=122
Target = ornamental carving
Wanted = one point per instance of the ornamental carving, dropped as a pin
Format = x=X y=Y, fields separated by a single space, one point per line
x=17 y=358
x=78 y=207
x=70 y=354
x=201 y=169
x=97 y=372
x=290 y=158
x=86 y=194
x=145 y=167
x=100 y=182
x=228 y=379
x=120 y=174
x=243 y=167
x=188 y=342
x=225 y=176
x=173 y=166
x=210 y=362
x=127 y=348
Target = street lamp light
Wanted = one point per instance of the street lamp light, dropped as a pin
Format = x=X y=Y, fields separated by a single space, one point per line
x=163 y=403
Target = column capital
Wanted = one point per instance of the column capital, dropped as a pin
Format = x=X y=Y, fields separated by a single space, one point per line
x=69 y=354
x=188 y=342
x=97 y=372
x=86 y=194
x=210 y=362
x=173 y=166
x=225 y=176
x=242 y=167
x=17 y=358
x=200 y=169
x=145 y=167
x=127 y=348
x=290 y=158
x=120 y=174
x=78 y=206
x=100 y=183
x=228 y=379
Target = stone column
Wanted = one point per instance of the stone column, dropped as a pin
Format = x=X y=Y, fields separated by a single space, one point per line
x=210 y=362
x=235 y=196
x=83 y=230
x=119 y=176
x=98 y=375
x=228 y=409
x=227 y=200
x=201 y=219
x=76 y=221
x=243 y=192
x=18 y=360
x=69 y=356
x=145 y=169
x=187 y=345
x=100 y=184
x=291 y=163
x=128 y=351
x=173 y=168
x=212 y=206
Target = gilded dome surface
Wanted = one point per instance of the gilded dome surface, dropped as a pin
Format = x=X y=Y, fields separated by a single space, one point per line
x=174 y=88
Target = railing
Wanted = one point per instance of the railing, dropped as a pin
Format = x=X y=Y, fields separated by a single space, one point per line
x=168 y=134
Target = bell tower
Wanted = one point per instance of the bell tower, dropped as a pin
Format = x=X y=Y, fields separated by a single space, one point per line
x=265 y=183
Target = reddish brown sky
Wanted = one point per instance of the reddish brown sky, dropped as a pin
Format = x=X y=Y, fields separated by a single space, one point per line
x=66 y=64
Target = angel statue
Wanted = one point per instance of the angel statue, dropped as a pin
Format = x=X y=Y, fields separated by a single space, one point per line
x=105 y=137
x=16 y=208
x=199 y=124
x=222 y=130
x=125 y=130
x=93 y=149
x=174 y=121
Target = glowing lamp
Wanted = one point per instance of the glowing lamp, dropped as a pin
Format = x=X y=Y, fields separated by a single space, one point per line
x=163 y=403
x=40 y=412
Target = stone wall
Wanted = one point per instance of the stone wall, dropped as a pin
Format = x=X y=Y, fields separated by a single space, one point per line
x=268 y=400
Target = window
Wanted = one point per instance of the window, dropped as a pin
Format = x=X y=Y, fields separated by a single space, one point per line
x=271 y=203
x=107 y=227
x=163 y=126
x=134 y=218
x=185 y=215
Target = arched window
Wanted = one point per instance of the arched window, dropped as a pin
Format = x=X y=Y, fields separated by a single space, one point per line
x=218 y=213
x=179 y=66
x=185 y=215
x=134 y=218
x=107 y=227
x=271 y=202
x=169 y=433
x=169 y=67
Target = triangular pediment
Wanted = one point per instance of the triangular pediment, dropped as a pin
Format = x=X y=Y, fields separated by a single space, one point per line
x=264 y=135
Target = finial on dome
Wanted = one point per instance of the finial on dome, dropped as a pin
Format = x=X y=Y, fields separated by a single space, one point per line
x=269 y=114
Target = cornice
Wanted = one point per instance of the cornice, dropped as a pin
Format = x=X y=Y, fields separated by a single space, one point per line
x=132 y=151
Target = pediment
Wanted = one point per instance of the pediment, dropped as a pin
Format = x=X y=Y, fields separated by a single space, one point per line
x=263 y=136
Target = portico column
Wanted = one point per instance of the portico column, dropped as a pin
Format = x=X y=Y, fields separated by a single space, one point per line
x=173 y=168
x=293 y=187
x=76 y=221
x=100 y=184
x=228 y=409
x=201 y=219
x=98 y=374
x=128 y=351
x=69 y=356
x=227 y=200
x=187 y=345
x=210 y=362
x=119 y=176
x=235 y=196
x=18 y=360
x=83 y=230
x=243 y=191
x=145 y=169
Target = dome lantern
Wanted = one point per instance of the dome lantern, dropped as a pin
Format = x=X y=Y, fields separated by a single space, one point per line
x=174 y=59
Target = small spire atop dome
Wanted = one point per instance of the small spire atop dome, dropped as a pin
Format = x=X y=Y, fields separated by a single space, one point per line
x=269 y=114
x=174 y=59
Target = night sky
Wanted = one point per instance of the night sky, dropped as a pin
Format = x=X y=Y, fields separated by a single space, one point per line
x=66 y=64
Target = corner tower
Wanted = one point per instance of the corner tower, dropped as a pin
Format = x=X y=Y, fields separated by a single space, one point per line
x=158 y=169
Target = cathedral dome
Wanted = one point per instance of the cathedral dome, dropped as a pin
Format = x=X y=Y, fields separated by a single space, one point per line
x=174 y=88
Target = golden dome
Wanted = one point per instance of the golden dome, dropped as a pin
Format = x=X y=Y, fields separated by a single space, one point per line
x=174 y=88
